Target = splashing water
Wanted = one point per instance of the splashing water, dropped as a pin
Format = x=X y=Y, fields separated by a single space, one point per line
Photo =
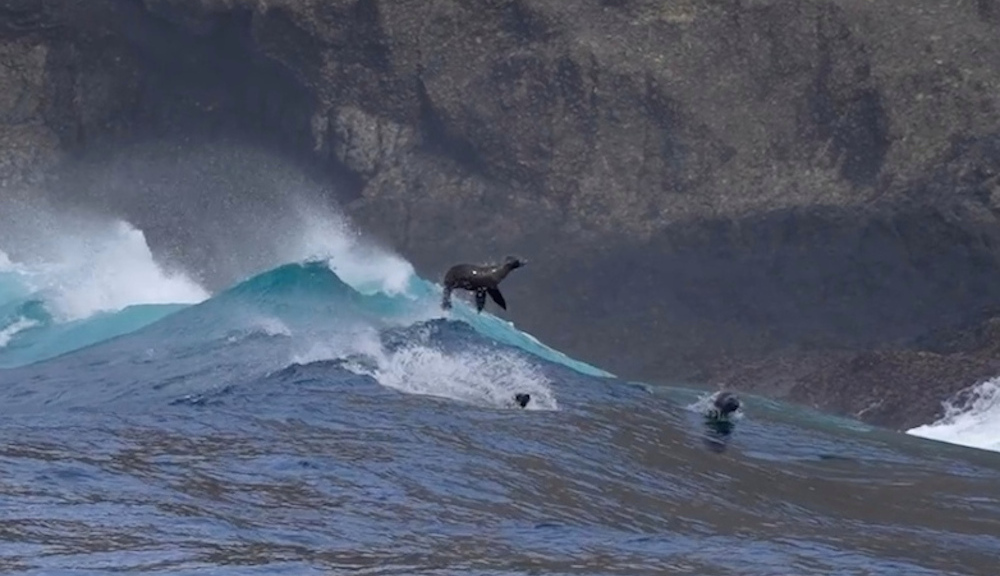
x=326 y=235
x=483 y=377
x=971 y=419
x=361 y=341
x=92 y=280
x=103 y=271
x=11 y=330
x=706 y=403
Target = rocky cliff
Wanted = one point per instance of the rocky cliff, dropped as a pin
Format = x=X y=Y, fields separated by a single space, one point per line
x=799 y=196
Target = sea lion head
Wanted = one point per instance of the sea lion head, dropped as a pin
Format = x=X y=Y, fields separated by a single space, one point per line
x=522 y=399
x=726 y=403
x=513 y=262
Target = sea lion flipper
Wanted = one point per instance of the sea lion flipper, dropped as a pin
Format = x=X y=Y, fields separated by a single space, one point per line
x=497 y=297
x=446 y=298
x=480 y=299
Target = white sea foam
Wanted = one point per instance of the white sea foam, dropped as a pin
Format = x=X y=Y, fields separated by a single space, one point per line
x=271 y=326
x=326 y=235
x=706 y=404
x=10 y=331
x=489 y=378
x=263 y=325
x=363 y=340
x=82 y=266
x=115 y=270
x=482 y=376
x=971 y=419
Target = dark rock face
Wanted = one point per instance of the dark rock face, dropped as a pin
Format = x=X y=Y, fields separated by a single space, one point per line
x=800 y=197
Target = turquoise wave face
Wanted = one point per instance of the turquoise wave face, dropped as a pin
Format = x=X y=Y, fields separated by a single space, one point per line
x=300 y=297
x=11 y=288
x=503 y=331
x=29 y=333
x=46 y=340
x=292 y=297
x=311 y=291
x=311 y=296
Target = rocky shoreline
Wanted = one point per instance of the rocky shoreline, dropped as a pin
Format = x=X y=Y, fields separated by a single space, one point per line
x=797 y=198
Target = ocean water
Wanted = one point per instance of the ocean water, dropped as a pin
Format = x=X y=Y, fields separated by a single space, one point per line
x=323 y=415
x=971 y=418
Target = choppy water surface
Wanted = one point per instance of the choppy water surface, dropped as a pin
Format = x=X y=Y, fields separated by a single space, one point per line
x=299 y=424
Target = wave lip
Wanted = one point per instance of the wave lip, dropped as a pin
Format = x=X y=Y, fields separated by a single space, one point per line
x=112 y=271
x=11 y=330
x=84 y=288
x=972 y=418
x=98 y=293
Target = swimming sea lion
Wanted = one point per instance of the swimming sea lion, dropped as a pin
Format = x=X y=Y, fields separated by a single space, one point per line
x=482 y=279
x=522 y=399
x=717 y=422
x=723 y=404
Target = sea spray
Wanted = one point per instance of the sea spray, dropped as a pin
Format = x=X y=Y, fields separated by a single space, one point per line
x=477 y=376
x=971 y=418
x=324 y=234
x=88 y=265
x=86 y=280
x=111 y=271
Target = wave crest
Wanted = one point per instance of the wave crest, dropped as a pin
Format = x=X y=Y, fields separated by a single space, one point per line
x=971 y=418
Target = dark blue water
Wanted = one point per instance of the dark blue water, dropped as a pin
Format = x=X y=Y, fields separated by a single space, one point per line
x=300 y=424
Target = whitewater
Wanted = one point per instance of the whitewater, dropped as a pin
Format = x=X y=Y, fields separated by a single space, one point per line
x=321 y=414
x=971 y=418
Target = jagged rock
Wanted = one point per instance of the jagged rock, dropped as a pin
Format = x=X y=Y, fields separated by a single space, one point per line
x=26 y=143
x=366 y=144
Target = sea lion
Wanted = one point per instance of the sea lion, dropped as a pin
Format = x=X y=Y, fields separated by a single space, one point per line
x=522 y=399
x=481 y=279
x=723 y=404
x=718 y=426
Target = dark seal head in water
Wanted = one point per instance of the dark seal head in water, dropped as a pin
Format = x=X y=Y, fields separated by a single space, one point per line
x=723 y=404
x=522 y=399
x=481 y=279
x=717 y=421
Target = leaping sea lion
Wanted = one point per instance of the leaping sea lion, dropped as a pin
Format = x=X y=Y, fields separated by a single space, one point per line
x=481 y=279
